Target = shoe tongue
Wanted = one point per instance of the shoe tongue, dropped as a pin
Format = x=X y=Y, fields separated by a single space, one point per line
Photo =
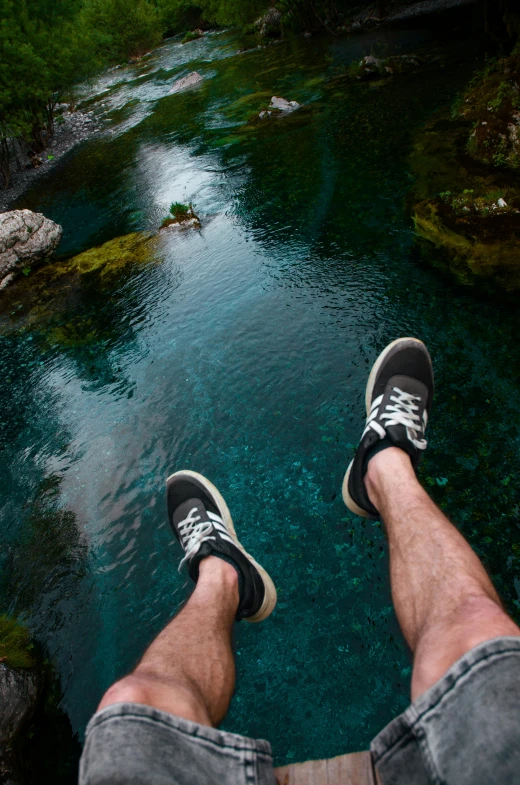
x=398 y=434
x=184 y=509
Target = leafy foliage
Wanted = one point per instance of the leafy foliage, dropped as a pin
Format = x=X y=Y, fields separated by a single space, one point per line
x=122 y=30
x=190 y=35
x=180 y=210
x=231 y=12
x=43 y=53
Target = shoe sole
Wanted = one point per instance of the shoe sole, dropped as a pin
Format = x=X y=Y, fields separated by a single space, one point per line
x=347 y=498
x=270 y=596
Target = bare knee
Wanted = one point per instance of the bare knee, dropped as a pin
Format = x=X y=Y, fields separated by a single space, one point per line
x=173 y=697
x=474 y=620
x=131 y=689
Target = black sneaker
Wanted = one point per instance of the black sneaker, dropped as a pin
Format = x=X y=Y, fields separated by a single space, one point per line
x=398 y=400
x=202 y=523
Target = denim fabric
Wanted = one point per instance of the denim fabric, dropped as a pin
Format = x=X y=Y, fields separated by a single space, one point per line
x=131 y=744
x=464 y=731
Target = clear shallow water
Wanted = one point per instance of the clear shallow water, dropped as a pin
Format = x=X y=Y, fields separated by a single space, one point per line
x=243 y=354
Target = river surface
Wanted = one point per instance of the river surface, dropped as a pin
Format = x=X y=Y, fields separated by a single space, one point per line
x=243 y=353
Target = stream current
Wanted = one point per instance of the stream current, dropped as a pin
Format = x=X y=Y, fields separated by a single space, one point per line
x=243 y=354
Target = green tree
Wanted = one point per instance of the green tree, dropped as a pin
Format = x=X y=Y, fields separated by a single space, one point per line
x=43 y=52
x=178 y=15
x=230 y=12
x=122 y=29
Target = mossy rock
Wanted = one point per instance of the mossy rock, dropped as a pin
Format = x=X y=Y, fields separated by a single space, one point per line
x=16 y=647
x=492 y=106
x=111 y=257
x=472 y=252
x=48 y=298
x=468 y=211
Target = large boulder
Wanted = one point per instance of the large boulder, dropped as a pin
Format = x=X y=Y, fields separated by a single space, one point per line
x=19 y=693
x=468 y=213
x=26 y=238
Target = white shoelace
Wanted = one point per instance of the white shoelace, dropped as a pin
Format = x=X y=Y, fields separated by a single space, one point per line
x=401 y=412
x=193 y=532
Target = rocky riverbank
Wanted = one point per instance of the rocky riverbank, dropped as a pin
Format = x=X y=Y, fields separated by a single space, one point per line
x=71 y=128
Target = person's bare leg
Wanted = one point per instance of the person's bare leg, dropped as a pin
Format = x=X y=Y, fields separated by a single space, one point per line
x=443 y=597
x=189 y=669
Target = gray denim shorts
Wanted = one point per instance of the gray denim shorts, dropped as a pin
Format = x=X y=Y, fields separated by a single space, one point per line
x=464 y=731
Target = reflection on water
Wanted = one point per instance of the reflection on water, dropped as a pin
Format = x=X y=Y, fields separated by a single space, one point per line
x=242 y=352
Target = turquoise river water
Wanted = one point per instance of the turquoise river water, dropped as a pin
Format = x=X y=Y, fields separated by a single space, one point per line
x=243 y=353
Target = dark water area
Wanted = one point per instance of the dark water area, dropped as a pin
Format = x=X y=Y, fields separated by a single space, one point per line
x=243 y=353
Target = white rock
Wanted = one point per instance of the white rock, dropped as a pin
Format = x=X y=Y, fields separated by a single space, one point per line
x=25 y=239
x=187 y=81
x=371 y=60
x=189 y=223
x=6 y=281
x=502 y=202
x=283 y=105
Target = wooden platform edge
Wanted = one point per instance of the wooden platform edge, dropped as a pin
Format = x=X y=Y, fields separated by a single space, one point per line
x=353 y=769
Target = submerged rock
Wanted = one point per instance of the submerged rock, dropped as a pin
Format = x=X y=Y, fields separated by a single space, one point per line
x=26 y=238
x=52 y=299
x=371 y=67
x=187 y=81
x=111 y=257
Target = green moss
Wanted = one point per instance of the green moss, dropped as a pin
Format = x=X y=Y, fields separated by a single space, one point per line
x=191 y=35
x=15 y=644
x=482 y=253
x=247 y=107
x=48 y=299
x=110 y=258
x=492 y=106
x=456 y=208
